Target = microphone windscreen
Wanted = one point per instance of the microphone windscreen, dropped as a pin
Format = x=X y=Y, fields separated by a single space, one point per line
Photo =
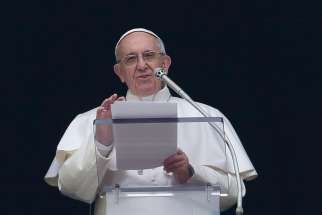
x=159 y=72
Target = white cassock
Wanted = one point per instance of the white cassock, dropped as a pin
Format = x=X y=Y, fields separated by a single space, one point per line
x=74 y=168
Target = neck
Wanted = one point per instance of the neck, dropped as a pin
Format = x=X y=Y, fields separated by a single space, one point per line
x=146 y=94
x=162 y=94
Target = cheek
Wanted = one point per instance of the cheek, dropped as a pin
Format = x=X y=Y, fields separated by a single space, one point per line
x=129 y=79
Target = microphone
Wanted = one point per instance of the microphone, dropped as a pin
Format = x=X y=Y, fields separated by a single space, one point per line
x=161 y=75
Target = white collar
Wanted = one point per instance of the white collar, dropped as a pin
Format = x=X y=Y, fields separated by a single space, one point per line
x=162 y=95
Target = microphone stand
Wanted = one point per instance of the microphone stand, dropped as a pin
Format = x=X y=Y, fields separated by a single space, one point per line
x=161 y=75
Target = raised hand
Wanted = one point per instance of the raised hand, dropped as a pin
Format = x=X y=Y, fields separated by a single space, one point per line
x=103 y=133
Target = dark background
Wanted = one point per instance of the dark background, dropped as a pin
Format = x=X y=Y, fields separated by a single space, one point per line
x=259 y=62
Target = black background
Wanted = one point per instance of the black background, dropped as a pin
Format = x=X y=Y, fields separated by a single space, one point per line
x=259 y=62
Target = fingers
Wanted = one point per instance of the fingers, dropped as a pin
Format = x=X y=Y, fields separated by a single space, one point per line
x=174 y=167
x=176 y=162
x=178 y=156
x=179 y=151
x=100 y=110
x=110 y=100
x=173 y=159
x=104 y=111
x=121 y=98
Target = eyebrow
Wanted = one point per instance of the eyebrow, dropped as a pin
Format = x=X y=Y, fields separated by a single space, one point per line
x=135 y=53
x=131 y=53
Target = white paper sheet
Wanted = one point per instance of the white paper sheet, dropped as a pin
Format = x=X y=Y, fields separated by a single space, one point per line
x=143 y=145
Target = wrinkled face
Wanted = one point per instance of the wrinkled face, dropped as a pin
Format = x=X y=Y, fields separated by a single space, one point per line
x=138 y=55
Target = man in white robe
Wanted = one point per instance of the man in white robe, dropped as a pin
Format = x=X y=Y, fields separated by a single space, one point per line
x=200 y=158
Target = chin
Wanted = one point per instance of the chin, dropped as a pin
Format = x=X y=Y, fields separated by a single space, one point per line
x=147 y=88
x=147 y=91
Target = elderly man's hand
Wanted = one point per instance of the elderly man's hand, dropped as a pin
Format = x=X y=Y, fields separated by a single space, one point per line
x=178 y=164
x=103 y=133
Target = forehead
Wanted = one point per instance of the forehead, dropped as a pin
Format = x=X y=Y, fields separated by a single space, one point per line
x=137 y=42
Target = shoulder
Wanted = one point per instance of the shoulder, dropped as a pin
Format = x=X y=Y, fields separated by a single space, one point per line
x=78 y=131
x=88 y=114
x=85 y=117
x=185 y=107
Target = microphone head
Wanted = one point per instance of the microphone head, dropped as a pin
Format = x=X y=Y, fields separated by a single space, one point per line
x=158 y=73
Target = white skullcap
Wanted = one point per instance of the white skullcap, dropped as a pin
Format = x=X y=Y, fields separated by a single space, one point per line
x=135 y=30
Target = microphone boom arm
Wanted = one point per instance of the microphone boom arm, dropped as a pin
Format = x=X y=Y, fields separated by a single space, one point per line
x=159 y=73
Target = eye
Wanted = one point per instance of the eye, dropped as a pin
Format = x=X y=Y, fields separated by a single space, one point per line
x=149 y=55
x=130 y=59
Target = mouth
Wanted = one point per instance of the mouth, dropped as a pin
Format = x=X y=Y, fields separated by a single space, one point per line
x=144 y=77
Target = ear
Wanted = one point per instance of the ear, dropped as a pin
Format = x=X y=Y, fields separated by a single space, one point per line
x=118 y=72
x=166 y=63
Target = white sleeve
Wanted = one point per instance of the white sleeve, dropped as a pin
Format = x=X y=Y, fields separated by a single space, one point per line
x=104 y=150
x=81 y=174
x=78 y=160
x=226 y=181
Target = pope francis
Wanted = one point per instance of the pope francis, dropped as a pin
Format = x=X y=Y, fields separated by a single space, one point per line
x=198 y=158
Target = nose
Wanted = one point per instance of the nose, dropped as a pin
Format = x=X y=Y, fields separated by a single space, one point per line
x=141 y=64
